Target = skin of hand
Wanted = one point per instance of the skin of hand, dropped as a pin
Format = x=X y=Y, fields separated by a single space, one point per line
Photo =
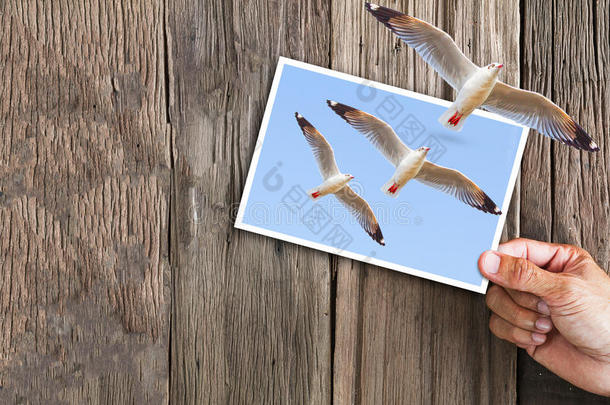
x=552 y=300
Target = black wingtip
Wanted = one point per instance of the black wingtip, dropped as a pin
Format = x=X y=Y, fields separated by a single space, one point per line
x=383 y=14
x=378 y=236
x=340 y=109
x=301 y=120
x=582 y=140
x=489 y=206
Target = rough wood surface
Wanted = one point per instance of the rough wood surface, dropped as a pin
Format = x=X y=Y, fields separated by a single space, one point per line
x=565 y=196
x=400 y=338
x=126 y=133
x=84 y=192
x=251 y=320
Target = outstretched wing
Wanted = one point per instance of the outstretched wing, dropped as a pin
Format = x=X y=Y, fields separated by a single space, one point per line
x=434 y=45
x=325 y=157
x=361 y=210
x=456 y=184
x=538 y=112
x=380 y=134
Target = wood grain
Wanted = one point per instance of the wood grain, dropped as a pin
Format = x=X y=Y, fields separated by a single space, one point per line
x=565 y=196
x=126 y=133
x=251 y=320
x=400 y=338
x=84 y=181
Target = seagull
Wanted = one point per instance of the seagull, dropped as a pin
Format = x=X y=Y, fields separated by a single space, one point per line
x=479 y=86
x=335 y=182
x=412 y=164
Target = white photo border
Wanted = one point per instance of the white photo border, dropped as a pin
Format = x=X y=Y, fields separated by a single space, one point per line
x=283 y=61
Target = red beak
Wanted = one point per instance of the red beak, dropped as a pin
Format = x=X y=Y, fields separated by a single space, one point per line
x=426 y=149
x=500 y=66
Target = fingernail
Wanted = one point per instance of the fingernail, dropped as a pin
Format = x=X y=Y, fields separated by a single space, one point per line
x=543 y=308
x=491 y=262
x=538 y=337
x=544 y=324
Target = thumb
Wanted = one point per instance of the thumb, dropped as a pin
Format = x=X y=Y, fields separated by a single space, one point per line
x=518 y=274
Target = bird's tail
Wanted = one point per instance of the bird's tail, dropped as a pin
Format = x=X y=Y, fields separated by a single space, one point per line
x=452 y=119
x=391 y=188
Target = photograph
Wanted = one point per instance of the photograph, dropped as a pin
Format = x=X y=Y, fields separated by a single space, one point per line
x=366 y=171
x=305 y=202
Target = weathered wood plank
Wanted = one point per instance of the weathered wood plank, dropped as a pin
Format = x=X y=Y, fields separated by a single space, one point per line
x=84 y=183
x=251 y=321
x=399 y=338
x=566 y=197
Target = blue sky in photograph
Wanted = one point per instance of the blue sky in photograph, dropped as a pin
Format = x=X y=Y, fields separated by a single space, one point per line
x=423 y=228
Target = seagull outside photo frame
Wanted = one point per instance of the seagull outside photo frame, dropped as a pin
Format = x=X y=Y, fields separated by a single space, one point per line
x=427 y=233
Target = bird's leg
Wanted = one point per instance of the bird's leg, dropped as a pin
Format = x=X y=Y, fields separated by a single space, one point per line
x=452 y=118
x=457 y=119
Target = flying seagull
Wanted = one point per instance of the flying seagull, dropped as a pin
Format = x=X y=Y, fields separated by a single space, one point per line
x=412 y=164
x=479 y=86
x=335 y=182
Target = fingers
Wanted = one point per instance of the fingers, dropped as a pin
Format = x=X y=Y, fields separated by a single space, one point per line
x=530 y=301
x=521 y=346
x=550 y=256
x=501 y=303
x=518 y=274
x=507 y=331
x=569 y=363
x=526 y=300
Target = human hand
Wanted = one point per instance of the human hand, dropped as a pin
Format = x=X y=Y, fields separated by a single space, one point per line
x=553 y=301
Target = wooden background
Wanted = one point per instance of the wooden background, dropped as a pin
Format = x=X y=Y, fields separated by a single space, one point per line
x=127 y=130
